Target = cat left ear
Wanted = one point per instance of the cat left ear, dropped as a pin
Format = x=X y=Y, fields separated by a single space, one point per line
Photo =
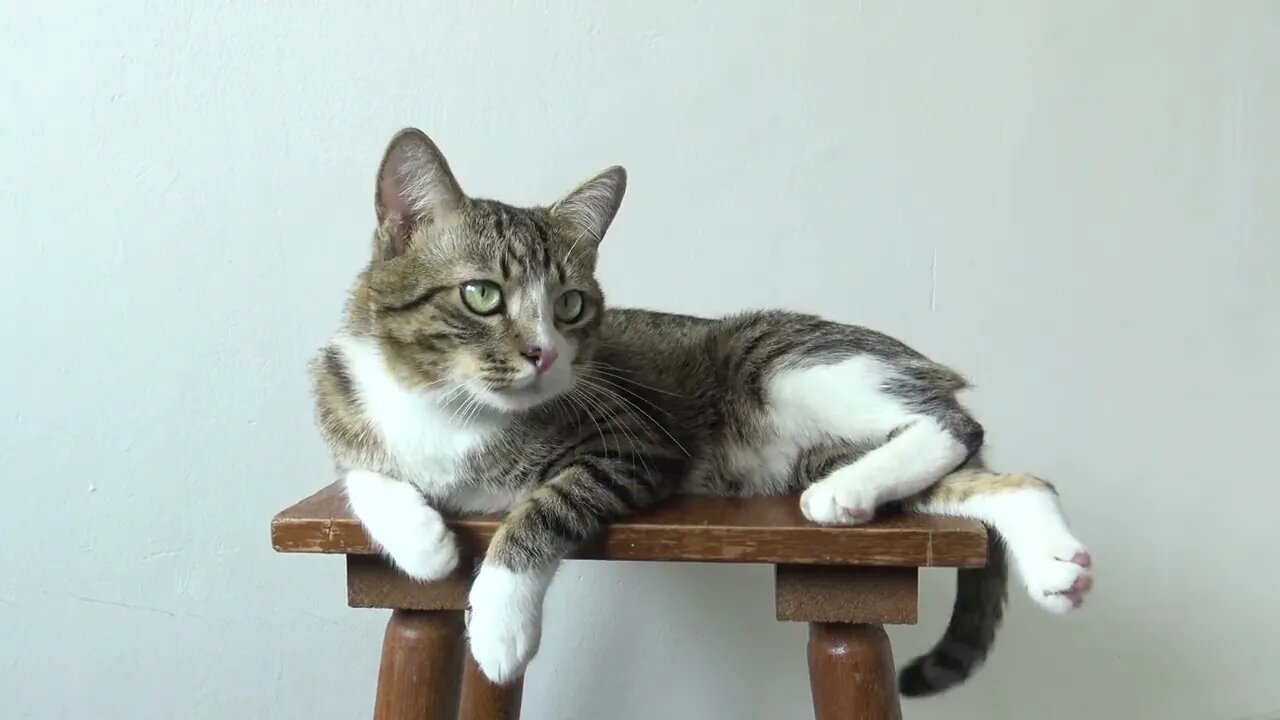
x=415 y=186
x=589 y=209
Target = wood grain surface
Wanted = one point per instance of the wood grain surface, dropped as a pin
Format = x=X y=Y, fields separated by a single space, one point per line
x=851 y=673
x=421 y=660
x=686 y=528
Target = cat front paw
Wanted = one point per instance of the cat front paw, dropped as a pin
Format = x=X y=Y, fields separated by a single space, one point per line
x=837 y=500
x=402 y=524
x=430 y=552
x=504 y=626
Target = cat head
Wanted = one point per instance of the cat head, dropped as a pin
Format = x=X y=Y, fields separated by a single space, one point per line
x=475 y=296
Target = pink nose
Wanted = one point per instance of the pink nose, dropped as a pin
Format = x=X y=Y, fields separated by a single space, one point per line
x=541 y=357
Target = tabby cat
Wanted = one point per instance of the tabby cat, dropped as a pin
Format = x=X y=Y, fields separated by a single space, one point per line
x=478 y=370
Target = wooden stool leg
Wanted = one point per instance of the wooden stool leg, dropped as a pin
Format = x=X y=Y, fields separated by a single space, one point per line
x=851 y=673
x=418 y=678
x=482 y=700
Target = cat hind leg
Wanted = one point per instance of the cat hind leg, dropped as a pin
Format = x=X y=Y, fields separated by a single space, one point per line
x=905 y=464
x=915 y=434
x=1024 y=511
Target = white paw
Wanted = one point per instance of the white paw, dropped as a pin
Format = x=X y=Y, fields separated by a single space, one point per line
x=1052 y=563
x=833 y=501
x=428 y=552
x=401 y=522
x=505 y=622
x=1058 y=579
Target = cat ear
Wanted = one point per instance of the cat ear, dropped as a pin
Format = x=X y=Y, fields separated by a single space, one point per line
x=415 y=186
x=589 y=209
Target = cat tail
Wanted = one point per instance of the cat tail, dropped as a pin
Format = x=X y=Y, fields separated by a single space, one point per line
x=979 y=604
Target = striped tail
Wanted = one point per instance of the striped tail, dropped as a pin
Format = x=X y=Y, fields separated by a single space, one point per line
x=980 y=592
x=978 y=610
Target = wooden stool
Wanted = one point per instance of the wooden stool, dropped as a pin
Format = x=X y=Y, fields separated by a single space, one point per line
x=845 y=582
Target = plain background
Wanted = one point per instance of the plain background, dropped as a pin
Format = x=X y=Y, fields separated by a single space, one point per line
x=1076 y=204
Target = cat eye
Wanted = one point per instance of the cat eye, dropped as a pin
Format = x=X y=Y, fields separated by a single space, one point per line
x=569 y=306
x=482 y=296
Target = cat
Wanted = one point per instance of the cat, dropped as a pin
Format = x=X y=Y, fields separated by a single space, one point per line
x=478 y=370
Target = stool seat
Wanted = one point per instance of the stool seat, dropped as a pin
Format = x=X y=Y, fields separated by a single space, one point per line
x=844 y=582
x=685 y=528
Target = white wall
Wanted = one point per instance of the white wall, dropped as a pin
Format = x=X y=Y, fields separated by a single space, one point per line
x=1077 y=204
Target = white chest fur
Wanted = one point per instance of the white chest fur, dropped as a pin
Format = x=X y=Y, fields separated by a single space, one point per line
x=422 y=432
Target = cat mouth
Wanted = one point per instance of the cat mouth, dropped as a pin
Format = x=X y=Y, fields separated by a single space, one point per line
x=525 y=384
x=524 y=393
x=532 y=387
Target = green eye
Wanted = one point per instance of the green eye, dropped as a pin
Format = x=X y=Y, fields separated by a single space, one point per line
x=569 y=306
x=482 y=296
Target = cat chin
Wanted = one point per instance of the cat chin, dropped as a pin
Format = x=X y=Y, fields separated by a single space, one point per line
x=516 y=400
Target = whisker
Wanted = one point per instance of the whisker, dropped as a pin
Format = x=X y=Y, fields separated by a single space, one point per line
x=452 y=394
x=476 y=408
x=571 y=247
x=584 y=233
x=640 y=410
x=614 y=422
x=634 y=394
x=453 y=417
x=578 y=395
x=596 y=366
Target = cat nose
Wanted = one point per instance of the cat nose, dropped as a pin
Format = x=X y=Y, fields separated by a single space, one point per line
x=541 y=357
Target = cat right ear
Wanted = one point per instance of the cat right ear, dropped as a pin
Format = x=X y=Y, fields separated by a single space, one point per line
x=589 y=209
x=415 y=187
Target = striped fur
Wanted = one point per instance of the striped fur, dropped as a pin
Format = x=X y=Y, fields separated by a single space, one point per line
x=421 y=391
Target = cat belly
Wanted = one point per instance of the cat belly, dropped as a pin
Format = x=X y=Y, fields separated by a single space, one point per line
x=760 y=468
x=762 y=459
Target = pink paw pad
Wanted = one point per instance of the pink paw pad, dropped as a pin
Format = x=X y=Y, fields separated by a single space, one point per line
x=1082 y=585
x=1078 y=590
